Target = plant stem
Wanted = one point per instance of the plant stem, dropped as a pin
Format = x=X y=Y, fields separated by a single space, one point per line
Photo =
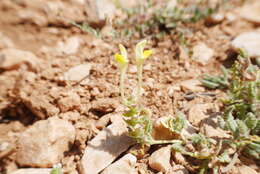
x=231 y=164
x=122 y=85
x=154 y=142
x=140 y=82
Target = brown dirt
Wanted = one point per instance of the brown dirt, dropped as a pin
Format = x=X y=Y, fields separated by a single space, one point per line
x=22 y=92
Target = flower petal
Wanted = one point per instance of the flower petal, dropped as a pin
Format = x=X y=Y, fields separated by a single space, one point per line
x=123 y=50
x=139 y=49
x=147 y=53
x=120 y=59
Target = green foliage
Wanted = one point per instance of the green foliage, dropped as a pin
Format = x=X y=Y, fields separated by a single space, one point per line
x=87 y=28
x=155 y=20
x=240 y=118
x=137 y=118
x=214 y=82
x=241 y=114
x=139 y=125
x=56 y=169
x=176 y=124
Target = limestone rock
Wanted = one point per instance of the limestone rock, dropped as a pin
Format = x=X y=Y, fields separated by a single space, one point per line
x=198 y=112
x=245 y=169
x=38 y=104
x=69 y=102
x=44 y=143
x=251 y=12
x=5 y=42
x=78 y=73
x=70 y=46
x=105 y=148
x=32 y=171
x=129 y=4
x=104 y=106
x=179 y=169
x=211 y=129
x=202 y=53
x=215 y=18
x=249 y=41
x=32 y=17
x=171 y=4
x=125 y=165
x=193 y=85
x=42 y=12
x=98 y=11
x=11 y=58
x=160 y=159
x=6 y=148
x=160 y=132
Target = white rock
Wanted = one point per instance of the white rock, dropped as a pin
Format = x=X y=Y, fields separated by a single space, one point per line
x=5 y=42
x=11 y=58
x=125 y=165
x=128 y=4
x=197 y=113
x=211 y=129
x=32 y=16
x=32 y=171
x=44 y=143
x=202 y=53
x=249 y=41
x=171 y=4
x=70 y=46
x=216 y=18
x=160 y=159
x=105 y=148
x=78 y=73
x=246 y=170
x=251 y=12
x=98 y=11
x=160 y=132
x=192 y=85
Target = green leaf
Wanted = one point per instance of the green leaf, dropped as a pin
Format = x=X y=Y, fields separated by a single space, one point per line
x=175 y=124
x=252 y=153
x=131 y=112
x=224 y=157
x=56 y=169
x=251 y=120
x=256 y=130
x=221 y=123
x=242 y=128
x=178 y=147
x=254 y=146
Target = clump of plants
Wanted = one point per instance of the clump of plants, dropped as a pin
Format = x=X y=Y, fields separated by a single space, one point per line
x=154 y=20
x=240 y=118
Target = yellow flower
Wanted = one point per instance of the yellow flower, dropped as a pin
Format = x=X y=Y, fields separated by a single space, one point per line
x=140 y=53
x=121 y=59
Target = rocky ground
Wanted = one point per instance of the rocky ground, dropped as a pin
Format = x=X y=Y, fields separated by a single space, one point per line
x=59 y=95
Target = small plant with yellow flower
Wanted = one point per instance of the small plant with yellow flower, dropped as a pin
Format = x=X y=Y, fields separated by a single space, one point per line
x=137 y=117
